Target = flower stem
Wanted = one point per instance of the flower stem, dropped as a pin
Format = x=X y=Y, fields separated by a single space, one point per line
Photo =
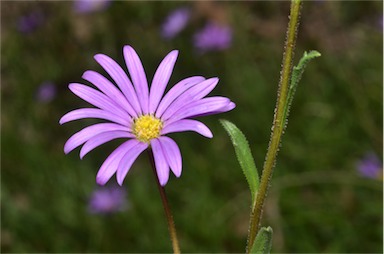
x=167 y=210
x=278 y=122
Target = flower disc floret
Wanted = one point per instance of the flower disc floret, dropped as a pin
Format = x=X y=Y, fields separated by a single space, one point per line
x=147 y=127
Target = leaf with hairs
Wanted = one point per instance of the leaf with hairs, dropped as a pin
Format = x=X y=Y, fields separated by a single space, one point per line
x=244 y=156
x=263 y=241
x=297 y=73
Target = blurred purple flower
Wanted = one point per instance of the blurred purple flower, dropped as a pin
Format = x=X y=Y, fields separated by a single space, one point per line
x=87 y=6
x=46 y=92
x=213 y=37
x=28 y=23
x=106 y=200
x=370 y=166
x=175 y=22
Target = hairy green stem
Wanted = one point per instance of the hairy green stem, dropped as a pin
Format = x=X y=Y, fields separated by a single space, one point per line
x=278 y=122
x=167 y=210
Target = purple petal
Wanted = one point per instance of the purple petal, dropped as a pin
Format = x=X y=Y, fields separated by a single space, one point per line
x=102 y=138
x=88 y=132
x=97 y=98
x=203 y=106
x=162 y=167
x=193 y=94
x=176 y=91
x=110 y=165
x=121 y=79
x=187 y=125
x=94 y=113
x=227 y=108
x=203 y=89
x=160 y=80
x=127 y=161
x=172 y=154
x=138 y=77
x=109 y=89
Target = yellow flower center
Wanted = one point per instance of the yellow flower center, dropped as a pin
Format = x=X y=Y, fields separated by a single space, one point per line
x=147 y=127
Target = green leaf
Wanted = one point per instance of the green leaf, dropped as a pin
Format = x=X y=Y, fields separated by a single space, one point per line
x=299 y=69
x=263 y=241
x=297 y=73
x=244 y=156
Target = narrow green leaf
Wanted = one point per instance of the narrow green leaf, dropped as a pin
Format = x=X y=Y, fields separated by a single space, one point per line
x=297 y=73
x=299 y=69
x=263 y=241
x=244 y=156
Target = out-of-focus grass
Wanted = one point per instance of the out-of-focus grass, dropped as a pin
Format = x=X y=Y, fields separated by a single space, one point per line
x=318 y=202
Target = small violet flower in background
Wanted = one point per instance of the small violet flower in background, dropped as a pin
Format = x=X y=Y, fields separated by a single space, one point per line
x=370 y=166
x=88 y=6
x=28 y=23
x=213 y=37
x=46 y=92
x=107 y=200
x=142 y=115
x=175 y=22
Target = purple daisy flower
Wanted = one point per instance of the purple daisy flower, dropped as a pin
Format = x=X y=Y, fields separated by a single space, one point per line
x=108 y=200
x=141 y=115
x=87 y=6
x=370 y=166
x=213 y=37
x=175 y=22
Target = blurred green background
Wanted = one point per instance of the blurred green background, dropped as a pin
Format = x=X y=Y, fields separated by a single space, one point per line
x=318 y=201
